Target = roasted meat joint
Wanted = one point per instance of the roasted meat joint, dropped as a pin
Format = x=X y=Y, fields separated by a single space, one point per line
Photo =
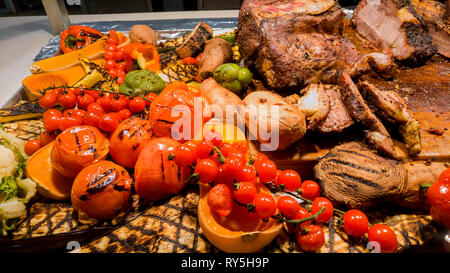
x=306 y=127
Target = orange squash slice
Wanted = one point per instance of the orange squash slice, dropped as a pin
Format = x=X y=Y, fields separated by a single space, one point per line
x=64 y=61
x=239 y=232
x=36 y=82
x=50 y=183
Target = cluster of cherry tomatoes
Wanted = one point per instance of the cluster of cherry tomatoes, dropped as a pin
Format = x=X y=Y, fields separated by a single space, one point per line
x=114 y=57
x=85 y=107
x=234 y=179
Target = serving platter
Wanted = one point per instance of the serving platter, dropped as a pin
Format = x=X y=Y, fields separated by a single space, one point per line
x=171 y=225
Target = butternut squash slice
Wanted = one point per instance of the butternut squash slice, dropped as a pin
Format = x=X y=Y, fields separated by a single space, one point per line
x=50 y=183
x=64 y=61
x=36 y=82
x=239 y=232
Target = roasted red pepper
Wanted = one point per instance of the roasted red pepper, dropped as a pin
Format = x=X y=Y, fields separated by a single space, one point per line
x=145 y=55
x=77 y=37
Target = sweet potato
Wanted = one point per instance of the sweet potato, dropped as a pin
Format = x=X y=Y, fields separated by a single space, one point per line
x=142 y=34
x=220 y=97
x=217 y=51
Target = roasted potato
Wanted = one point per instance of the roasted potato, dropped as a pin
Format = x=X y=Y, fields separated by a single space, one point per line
x=265 y=122
x=142 y=34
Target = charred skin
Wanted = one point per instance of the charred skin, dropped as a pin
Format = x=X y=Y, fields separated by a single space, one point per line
x=353 y=175
x=195 y=42
x=394 y=26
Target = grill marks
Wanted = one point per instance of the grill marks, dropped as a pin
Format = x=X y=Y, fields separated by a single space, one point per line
x=353 y=165
x=354 y=175
x=100 y=182
x=357 y=179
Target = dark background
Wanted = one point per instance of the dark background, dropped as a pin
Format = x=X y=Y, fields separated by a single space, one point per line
x=34 y=7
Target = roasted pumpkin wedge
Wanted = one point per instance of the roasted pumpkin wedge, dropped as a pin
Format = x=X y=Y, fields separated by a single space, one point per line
x=50 y=183
x=64 y=61
x=35 y=83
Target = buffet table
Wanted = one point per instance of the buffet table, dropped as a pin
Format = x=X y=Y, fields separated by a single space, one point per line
x=21 y=38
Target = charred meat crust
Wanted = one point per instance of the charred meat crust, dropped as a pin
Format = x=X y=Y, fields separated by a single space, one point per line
x=252 y=13
x=396 y=27
x=376 y=134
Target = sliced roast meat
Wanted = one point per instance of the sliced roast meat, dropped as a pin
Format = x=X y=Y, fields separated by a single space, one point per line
x=314 y=103
x=393 y=26
x=299 y=16
x=419 y=173
x=353 y=175
x=338 y=118
x=358 y=109
x=434 y=15
x=382 y=64
x=394 y=109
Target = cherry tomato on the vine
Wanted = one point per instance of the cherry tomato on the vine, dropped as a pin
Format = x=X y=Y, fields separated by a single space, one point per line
x=85 y=100
x=356 y=223
x=51 y=123
x=310 y=189
x=31 y=146
x=110 y=64
x=220 y=199
x=70 y=121
x=267 y=170
x=326 y=215
x=384 y=236
x=48 y=100
x=204 y=149
x=51 y=112
x=45 y=138
x=93 y=118
x=137 y=105
x=109 y=55
x=288 y=206
x=185 y=155
x=312 y=240
x=265 y=205
x=68 y=100
x=244 y=192
x=109 y=122
x=207 y=170
x=290 y=179
x=95 y=107
x=124 y=114
x=247 y=174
